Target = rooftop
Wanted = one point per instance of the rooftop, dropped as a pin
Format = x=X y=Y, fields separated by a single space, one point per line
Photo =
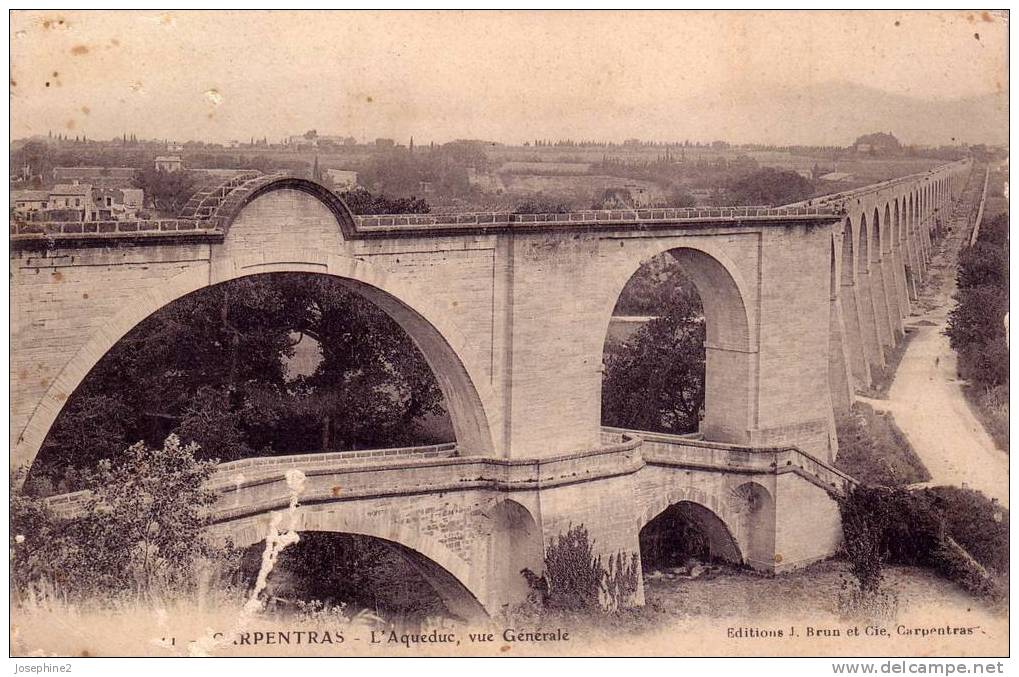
x=29 y=195
x=71 y=189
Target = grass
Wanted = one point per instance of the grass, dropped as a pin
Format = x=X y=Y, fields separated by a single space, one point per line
x=991 y=409
x=49 y=626
x=681 y=617
x=881 y=377
x=875 y=451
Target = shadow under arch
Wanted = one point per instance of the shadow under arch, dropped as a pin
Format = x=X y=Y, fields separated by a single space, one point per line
x=687 y=528
x=729 y=346
x=429 y=562
x=441 y=344
x=515 y=544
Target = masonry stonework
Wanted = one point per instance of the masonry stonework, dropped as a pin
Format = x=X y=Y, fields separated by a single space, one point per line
x=511 y=312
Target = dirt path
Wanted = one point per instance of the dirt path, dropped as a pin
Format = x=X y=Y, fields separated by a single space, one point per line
x=927 y=400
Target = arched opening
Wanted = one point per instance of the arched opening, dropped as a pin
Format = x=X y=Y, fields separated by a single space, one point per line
x=325 y=570
x=879 y=283
x=839 y=381
x=264 y=364
x=851 y=308
x=755 y=512
x=889 y=229
x=677 y=350
x=682 y=537
x=515 y=545
x=865 y=283
x=890 y=272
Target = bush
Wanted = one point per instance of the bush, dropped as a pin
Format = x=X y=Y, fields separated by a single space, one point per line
x=873 y=450
x=976 y=325
x=140 y=530
x=977 y=524
x=576 y=580
x=983 y=264
x=933 y=528
x=994 y=231
x=541 y=204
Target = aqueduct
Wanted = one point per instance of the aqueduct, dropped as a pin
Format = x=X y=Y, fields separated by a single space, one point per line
x=802 y=303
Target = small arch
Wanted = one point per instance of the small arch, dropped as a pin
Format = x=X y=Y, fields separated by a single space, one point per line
x=888 y=238
x=848 y=264
x=875 y=237
x=755 y=510
x=457 y=599
x=898 y=229
x=453 y=578
x=862 y=254
x=684 y=529
x=515 y=545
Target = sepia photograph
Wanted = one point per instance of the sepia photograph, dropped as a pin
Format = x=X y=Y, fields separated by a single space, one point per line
x=509 y=333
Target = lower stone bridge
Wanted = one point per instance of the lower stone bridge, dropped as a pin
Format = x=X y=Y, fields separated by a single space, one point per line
x=469 y=525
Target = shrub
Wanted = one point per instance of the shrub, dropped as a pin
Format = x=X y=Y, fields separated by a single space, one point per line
x=873 y=450
x=138 y=532
x=978 y=524
x=576 y=580
x=930 y=528
x=541 y=204
x=983 y=264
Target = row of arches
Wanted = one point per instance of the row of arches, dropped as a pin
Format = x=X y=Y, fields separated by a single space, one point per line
x=878 y=260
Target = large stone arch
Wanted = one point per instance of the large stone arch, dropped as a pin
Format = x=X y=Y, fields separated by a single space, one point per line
x=444 y=347
x=866 y=281
x=851 y=310
x=730 y=344
x=878 y=287
x=899 y=257
x=459 y=584
x=890 y=271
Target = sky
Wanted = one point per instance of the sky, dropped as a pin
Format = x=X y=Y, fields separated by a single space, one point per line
x=501 y=76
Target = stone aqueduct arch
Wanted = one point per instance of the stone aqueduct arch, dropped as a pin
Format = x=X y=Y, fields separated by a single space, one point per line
x=729 y=340
x=454 y=580
x=441 y=342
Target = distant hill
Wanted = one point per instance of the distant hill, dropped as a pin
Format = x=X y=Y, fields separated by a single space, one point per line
x=838 y=113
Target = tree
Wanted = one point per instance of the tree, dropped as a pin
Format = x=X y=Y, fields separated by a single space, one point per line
x=361 y=201
x=211 y=367
x=140 y=530
x=167 y=191
x=655 y=381
x=769 y=186
x=983 y=264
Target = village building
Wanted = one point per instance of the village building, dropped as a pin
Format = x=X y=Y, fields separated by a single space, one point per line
x=169 y=163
